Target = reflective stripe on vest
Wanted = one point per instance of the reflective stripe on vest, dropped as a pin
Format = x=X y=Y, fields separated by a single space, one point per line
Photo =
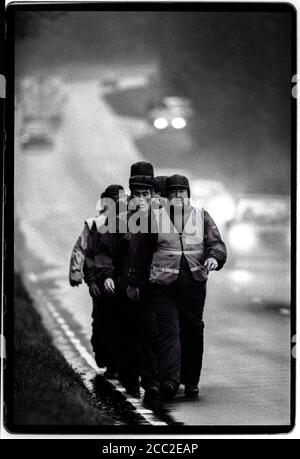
x=180 y=252
x=171 y=246
x=167 y=270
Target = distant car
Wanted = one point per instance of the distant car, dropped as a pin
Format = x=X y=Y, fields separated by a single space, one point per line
x=113 y=83
x=172 y=112
x=36 y=135
x=215 y=198
x=259 y=245
x=42 y=97
x=210 y=194
x=109 y=83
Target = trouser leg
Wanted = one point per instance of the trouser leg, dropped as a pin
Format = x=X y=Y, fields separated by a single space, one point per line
x=192 y=301
x=105 y=333
x=98 y=339
x=168 y=336
x=149 y=347
x=111 y=334
x=129 y=341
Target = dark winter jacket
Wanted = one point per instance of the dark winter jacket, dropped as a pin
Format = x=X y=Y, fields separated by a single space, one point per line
x=114 y=253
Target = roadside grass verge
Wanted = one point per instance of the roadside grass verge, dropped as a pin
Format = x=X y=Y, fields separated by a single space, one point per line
x=47 y=390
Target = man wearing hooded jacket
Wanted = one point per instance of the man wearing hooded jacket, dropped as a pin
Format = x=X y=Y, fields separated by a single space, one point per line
x=105 y=327
x=177 y=262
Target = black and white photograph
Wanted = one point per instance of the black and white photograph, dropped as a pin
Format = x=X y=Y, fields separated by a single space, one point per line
x=149 y=225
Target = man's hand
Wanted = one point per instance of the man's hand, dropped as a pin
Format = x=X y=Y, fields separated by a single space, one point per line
x=211 y=264
x=109 y=286
x=94 y=290
x=75 y=279
x=133 y=293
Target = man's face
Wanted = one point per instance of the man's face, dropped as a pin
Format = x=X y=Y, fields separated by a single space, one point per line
x=178 y=196
x=142 y=197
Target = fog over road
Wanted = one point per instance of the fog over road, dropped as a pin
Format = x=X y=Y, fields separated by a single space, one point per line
x=247 y=358
x=55 y=191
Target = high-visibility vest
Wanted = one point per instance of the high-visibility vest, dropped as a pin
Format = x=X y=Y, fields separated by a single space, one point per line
x=171 y=246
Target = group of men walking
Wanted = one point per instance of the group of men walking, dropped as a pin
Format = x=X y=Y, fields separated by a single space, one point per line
x=146 y=259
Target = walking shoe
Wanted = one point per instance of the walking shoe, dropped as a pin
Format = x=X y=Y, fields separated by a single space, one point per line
x=168 y=390
x=191 y=390
x=133 y=389
x=151 y=393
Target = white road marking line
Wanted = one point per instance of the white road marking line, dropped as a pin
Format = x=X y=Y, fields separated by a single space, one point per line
x=76 y=343
x=145 y=411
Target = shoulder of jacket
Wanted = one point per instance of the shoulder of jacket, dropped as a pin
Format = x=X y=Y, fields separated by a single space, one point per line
x=89 y=222
x=98 y=220
x=207 y=215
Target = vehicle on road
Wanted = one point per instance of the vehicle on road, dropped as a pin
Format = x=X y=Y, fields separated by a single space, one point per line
x=259 y=248
x=215 y=198
x=172 y=112
x=36 y=134
x=212 y=195
x=42 y=97
x=113 y=83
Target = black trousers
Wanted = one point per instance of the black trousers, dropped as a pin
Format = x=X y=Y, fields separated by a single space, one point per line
x=105 y=332
x=172 y=331
x=129 y=340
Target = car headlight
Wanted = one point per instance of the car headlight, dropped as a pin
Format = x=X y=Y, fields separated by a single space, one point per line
x=240 y=276
x=160 y=123
x=178 y=123
x=242 y=237
x=222 y=209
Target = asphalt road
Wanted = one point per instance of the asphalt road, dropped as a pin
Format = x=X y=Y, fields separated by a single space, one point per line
x=246 y=370
x=245 y=377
